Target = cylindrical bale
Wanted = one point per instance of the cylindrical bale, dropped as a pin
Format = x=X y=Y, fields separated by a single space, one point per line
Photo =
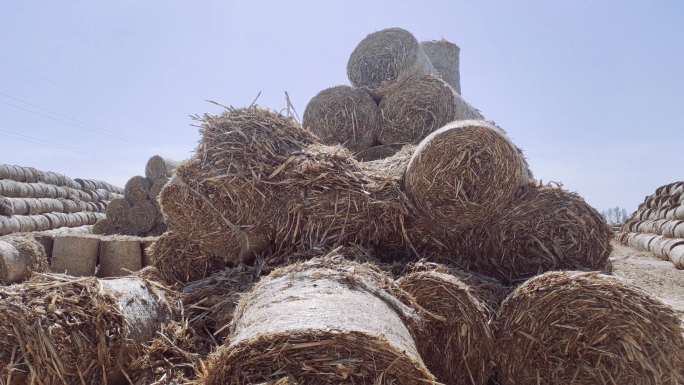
x=586 y=328
x=40 y=222
x=75 y=255
x=157 y=187
x=386 y=56
x=142 y=217
x=678 y=230
x=26 y=224
x=158 y=167
x=105 y=227
x=545 y=228
x=64 y=330
x=343 y=115
x=6 y=207
x=357 y=311
x=464 y=173
x=5 y=171
x=137 y=189
x=20 y=255
x=654 y=243
x=119 y=256
x=180 y=260
x=445 y=57
x=679 y=212
x=457 y=345
x=117 y=212
x=417 y=106
x=676 y=255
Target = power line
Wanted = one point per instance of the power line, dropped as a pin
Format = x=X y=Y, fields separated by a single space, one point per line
x=34 y=140
x=58 y=117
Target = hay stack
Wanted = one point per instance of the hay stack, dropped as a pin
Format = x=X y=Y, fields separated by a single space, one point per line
x=386 y=56
x=464 y=173
x=281 y=189
x=357 y=333
x=545 y=228
x=60 y=330
x=587 y=328
x=180 y=259
x=343 y=115
x=20 y=256
x=457 y=345
x=414 y=107
x=444 y=56
x=139 y=213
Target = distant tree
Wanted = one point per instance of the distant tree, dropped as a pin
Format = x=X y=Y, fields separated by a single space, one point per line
x=615 y=216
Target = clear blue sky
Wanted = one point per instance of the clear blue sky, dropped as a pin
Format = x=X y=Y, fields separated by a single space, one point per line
x=592 y=91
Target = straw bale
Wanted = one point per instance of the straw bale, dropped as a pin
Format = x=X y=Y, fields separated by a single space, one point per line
x=414 y=107
x=444 y=56
x=464 y=173
x=142 y=217
x=20 y=256
x=587 y=328
x=385 y=56
x=343 y=115
x=105 y=227
x=676 y=255
x=119 y=256
x=75 y=255
x=457 y=346
x=357 y=334
x=157 y=187
x=158 y=167
x=57 y=329
x=180 y=259
x=137 y=189
x=145 y=244
x=117 y=212
x=545 y=228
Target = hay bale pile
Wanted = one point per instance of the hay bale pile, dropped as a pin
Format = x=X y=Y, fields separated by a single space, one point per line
x=34 y=200
x=379 y=243
x=658 y=225
x=402 y=91
x=137 y=212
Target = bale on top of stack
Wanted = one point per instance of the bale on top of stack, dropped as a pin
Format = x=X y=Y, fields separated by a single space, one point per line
x=657 y=226
x=138 y=212
x=34 y=200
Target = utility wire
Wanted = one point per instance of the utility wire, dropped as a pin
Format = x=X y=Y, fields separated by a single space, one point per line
x=58 y=117
x=34 y=140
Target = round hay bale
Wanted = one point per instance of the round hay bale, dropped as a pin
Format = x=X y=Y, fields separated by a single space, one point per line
x=417 y=106
x=464 y=173
x=343 y=115
x=357 y=334
x=180 y=260
x=6 y=207
x=137 y=189
x=445 y=57
x=679 y=212
x=158 y=167
x=385 y=56
x=20 y=255
x=64 y=330
x=157 y=187
x=119 y=256
x=9 y=225
x=105 y=227
x=587 y=328
x=26 y=223
x=142 y=217
x=545 y=228
x=457 y=345
x=5 y=172
x=75 y=255
x=676 y=255
x=117 y=212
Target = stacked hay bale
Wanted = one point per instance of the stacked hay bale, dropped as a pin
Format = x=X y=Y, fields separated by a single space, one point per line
x=138 y=212
x=20 y=257
x=402 y=91
x=658 y=224
x=34 y=200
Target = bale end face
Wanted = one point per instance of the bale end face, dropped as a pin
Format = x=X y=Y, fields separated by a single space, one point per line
x=587 y=328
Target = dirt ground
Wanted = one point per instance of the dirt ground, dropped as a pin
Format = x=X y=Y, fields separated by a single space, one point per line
x=654 y=275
